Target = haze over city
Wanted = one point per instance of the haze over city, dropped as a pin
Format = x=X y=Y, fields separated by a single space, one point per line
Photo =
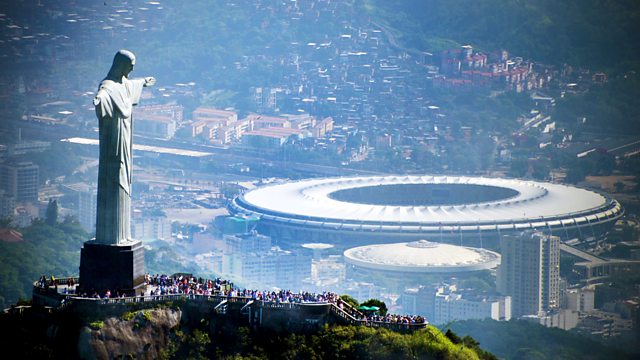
x=411 y=166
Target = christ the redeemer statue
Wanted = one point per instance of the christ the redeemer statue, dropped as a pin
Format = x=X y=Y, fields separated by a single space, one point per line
x=114 y=102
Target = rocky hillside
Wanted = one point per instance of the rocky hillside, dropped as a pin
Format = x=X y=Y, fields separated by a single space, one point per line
x=176 y=332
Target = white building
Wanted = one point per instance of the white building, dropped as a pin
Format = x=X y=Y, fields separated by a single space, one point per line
x=328 y=271
x=530 y=272
x=564 y=319
x=86 y=204
x=453 y=307
x=151 y=228
x=251 y=260
x=442 y=304
x=580 y=299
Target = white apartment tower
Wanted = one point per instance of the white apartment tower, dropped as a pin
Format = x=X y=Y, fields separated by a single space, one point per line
x=530 y=272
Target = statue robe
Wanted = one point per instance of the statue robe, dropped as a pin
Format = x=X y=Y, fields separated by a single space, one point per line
x=113 y=103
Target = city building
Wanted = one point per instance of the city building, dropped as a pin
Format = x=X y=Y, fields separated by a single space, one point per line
x=86 y=204
x=454 y=307
x=7 y=204
x=442 y=304
x=565 y=319
x=270 y=137
x=20 y=180
x=328 y=272
x=251 y=260
x=154 y=125
x=582 y=299
x=151 y=228
x=530 y=272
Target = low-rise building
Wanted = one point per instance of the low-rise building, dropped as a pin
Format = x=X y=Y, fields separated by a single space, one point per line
x=443 y=304
x=156 y=125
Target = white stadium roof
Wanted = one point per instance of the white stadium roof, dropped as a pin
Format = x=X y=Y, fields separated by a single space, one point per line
x=520 y=205
x=422 y=257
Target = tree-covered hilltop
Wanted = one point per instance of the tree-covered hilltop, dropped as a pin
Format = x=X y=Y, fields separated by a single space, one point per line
x=595 y=34
x=45 y=250
x=53 y=249
x=171 y=331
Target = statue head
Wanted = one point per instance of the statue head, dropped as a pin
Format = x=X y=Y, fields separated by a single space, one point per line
x=123 y=63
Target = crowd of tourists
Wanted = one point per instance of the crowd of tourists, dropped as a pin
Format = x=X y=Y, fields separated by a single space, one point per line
x=395 y=319
x=185 y=284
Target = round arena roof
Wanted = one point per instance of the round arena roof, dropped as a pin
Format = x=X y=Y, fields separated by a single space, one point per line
x=427 y=204
x=422 y=257
x=317 y=246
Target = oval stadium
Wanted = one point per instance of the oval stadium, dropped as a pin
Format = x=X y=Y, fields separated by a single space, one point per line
x=473 y=211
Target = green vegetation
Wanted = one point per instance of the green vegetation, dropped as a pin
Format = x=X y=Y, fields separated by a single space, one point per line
x=46 y=250
x=54 y=249
x=349 y=300
x=591 y=33
x=51 y=217
x=128 y=316
x=519 y=339
x=162 y=258
x=225 y=338
x=96 y=325
x=332 y=342
x=377 y=303
x=611 y=106
x=147 y=315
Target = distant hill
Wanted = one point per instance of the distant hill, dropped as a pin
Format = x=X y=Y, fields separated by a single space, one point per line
x=601 y=35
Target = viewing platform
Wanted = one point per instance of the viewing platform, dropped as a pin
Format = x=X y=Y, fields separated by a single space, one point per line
x=261 y=310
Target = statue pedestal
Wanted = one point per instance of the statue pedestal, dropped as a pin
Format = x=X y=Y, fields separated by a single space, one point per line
x=118 y=268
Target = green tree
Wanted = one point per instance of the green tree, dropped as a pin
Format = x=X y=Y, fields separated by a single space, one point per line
x=349 y=300
x=51 y=215
x=375 y=302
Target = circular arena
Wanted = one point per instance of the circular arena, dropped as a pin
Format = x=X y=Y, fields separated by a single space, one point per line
x=410 y=263
x=421 y=257
x=457 y=209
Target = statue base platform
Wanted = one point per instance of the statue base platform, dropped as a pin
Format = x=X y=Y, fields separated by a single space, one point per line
x=117 y=268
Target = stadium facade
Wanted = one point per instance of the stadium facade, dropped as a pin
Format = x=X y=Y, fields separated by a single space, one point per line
x=473 y=211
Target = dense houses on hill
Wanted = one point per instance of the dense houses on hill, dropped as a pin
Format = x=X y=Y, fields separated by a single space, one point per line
x=463 y=68
x=222 y=127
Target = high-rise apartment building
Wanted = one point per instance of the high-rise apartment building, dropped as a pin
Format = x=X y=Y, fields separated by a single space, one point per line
x=251 y=260
x=530 y=272
x=7 y=204
x=87 y=205
x=151 y=228
x=20 y=180
x=86 y=202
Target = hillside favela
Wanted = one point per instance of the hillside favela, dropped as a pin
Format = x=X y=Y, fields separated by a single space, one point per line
x=320 y=179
